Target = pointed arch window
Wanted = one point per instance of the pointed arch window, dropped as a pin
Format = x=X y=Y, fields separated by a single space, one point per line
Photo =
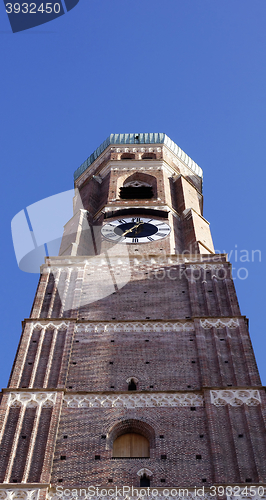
x=144 y=477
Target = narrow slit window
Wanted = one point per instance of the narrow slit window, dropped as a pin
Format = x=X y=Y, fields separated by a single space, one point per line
x=132 y=386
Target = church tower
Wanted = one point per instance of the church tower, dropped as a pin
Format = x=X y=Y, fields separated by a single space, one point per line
x=135 y=368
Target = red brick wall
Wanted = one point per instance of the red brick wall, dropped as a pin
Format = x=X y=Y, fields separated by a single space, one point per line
x=181 y=443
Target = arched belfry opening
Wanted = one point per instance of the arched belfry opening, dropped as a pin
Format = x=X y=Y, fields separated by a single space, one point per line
x=139 y=186
x=148 y=156
x=128 y=156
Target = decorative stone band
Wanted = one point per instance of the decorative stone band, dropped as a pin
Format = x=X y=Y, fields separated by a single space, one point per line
x=42 y=325
x=248 y=493
x=219 y=323
x=94 y=263
x=31 y=399
x=138 y=327
x=132 y=400
x=211 y=267
x=16 y=494
x=238 y=397
x=54 y=270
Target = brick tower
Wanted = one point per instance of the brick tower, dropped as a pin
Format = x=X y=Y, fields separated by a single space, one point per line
x=135 y=367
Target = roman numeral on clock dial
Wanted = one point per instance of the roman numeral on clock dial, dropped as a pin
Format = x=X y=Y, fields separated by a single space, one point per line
x=135 y=230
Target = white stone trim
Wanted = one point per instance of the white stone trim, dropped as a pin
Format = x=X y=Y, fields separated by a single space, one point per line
x=19 y=493
x=128 y=380
x=207 y=266
x=50 y=359
x=37 y=358
x=135 y=327
x=14 y=445
x=63 y=299
x=219 y=323
x=235 y=397
x=248 y=496
x=55 y=290
x=132 y=400
x=57 y=269
x=136 y=184
x=31 y=399
x=72 y=263
x=141 y=472
x=46 y=326
x=32 y=444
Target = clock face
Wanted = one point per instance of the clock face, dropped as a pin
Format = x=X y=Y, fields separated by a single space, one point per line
x=135 y=230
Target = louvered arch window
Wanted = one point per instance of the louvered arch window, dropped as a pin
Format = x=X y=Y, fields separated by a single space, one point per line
x=131 y=445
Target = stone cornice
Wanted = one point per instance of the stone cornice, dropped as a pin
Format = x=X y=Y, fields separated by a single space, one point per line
x=156 y=325
x=137 y=141
x=135 y=326
x=139 y=400
x=31 y=399
x=219 y=323
x=235 y=397
x=16 y=492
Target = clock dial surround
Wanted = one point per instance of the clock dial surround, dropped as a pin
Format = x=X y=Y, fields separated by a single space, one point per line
x=135 y=230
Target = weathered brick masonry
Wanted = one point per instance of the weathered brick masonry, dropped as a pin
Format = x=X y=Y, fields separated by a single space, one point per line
x=159 y=318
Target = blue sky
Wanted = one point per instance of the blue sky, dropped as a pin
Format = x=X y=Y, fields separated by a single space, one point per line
x=194 y=69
